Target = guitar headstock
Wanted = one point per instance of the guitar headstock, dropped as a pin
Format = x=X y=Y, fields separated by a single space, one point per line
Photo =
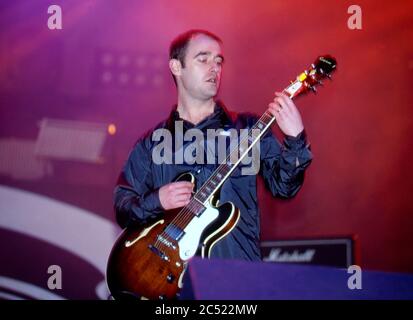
x=308 y=80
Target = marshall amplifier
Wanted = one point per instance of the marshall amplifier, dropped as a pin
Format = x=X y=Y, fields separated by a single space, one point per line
x=335 y=252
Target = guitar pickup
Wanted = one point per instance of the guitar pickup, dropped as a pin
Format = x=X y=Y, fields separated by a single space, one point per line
x=166 y=242
x=158 y=252
x=174 y=232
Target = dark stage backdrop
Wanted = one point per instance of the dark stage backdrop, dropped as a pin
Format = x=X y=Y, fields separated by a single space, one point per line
x=73 y=101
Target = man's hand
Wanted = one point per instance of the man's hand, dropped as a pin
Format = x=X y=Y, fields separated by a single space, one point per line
x=286 y=113
x=175 y=195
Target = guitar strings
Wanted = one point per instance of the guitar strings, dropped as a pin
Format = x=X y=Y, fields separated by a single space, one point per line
x=183 y=218
x=186 y=214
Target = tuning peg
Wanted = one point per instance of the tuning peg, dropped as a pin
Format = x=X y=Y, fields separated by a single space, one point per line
x=328 y=76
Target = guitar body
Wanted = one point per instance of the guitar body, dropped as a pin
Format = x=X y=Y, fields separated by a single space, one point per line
x=145 y=264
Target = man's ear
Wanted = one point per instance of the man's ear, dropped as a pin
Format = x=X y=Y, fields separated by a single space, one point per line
x=175 y=67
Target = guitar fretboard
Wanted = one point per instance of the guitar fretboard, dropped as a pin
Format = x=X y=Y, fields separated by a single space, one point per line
x=225 y=169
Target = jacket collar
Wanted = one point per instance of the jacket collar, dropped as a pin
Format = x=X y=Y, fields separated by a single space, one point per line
x=221 y=117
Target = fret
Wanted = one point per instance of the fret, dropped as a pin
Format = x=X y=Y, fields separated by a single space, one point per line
x=198 y=208
x=212 y=183
x=223 y=169
x=195 y=207
x=250 y=139
x=201 y=198
x=267 y=117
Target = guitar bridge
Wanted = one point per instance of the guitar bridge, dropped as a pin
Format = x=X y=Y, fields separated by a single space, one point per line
x=158 y=252
x=166 y=242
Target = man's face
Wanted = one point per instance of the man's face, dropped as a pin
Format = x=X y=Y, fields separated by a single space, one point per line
x=201 y=75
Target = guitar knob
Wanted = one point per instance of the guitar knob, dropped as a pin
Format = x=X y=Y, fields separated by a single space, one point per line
x=170 y=278
x=162 y=297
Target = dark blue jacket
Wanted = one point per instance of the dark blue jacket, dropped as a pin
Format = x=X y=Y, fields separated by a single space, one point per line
x=282 y=166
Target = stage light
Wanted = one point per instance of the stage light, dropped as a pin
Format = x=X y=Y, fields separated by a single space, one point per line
x=106 y=77
x=71 y=140
x=128 y=70
x=107 y=59
x=140 y=80
x=112 y=129
x=124 y=60
x=140 y=61
x=123 y=78
x=19 y=161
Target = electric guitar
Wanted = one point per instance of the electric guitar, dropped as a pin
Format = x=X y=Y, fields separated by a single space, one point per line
x=149 y=261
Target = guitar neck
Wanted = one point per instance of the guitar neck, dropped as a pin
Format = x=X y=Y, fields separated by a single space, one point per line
x=224 y=170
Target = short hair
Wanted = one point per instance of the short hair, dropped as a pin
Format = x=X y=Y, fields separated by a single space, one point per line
x=178 y=47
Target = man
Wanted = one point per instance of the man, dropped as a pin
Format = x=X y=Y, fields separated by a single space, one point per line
x=145 y=189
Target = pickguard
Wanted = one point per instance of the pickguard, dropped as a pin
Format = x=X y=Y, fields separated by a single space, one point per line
x=188 y=244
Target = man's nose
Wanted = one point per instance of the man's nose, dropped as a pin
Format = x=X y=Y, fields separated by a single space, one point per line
x=215 y=67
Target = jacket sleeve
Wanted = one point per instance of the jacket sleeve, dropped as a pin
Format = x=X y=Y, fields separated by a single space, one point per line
x=135 y=198
x=283 y=165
